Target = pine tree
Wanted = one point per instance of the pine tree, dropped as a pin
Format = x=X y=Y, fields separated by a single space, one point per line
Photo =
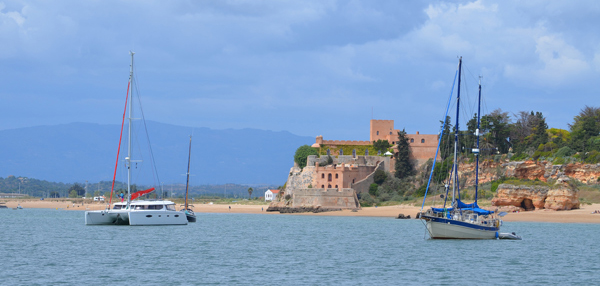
x=403 y=166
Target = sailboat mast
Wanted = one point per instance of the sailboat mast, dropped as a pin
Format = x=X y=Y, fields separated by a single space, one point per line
x=455 y=185
x=128 y=159
x=187 y=181
x=477 y=134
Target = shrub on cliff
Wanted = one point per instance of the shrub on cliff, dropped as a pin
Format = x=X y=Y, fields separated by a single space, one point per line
x=373 y=189
x=302 y=153
x=564 y=152
x=379 y=177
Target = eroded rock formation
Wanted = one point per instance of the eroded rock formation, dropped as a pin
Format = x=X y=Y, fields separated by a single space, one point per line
x=557 y=197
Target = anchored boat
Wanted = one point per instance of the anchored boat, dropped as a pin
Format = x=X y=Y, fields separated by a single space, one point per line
x=132 y=211
x=456 y=219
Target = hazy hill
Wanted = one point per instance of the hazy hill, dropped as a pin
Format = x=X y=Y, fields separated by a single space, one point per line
x=83 y=151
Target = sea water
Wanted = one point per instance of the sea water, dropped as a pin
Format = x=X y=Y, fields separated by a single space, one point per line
x=54 y=247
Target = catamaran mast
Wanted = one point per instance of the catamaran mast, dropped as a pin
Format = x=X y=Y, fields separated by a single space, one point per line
x=455 y=185
x=187 y=181
x=128 y=159
x=477 y=134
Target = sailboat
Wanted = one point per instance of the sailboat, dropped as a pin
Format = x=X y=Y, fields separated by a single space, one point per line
x=189 y=213
x=132 y=211
x=460 y=220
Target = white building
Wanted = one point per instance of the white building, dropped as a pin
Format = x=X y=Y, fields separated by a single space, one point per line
x=270 y=194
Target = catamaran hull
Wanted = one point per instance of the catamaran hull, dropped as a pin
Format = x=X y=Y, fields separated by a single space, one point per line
x=157 y=218
x=106 y=217
x=449 y=229
x=111 y=217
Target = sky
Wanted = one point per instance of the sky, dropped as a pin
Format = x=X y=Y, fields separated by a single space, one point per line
x=322 y=67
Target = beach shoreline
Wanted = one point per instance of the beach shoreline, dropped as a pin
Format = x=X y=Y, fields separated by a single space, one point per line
x=582 y=215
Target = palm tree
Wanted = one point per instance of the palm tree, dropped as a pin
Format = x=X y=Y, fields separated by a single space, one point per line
x=250 y=190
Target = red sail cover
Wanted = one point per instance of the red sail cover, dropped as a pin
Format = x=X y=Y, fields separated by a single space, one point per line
x=141 y=193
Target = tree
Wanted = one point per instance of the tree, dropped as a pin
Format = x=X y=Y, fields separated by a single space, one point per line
x=73 y=194
x=445 y=152
x=250 y=190
x=379 y=177
x=302 y=154
x=381 y=145
x=585 y=126
x=403 y=166
x=79 y=190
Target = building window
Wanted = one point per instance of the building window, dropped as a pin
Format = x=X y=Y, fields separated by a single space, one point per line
x=366 y=152
x=412 y=140
x=422 y=140
x=377 y=132
x=336 y=186
x=341 y=151
x=322 y=186
x=329 y=177
x=336 y=176
x=329 y=186
x=328 y=152
x=322 y=176
x=353 y=153
x=390 y=132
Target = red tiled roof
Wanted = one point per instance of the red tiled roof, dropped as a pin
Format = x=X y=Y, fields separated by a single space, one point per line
x=274 y=191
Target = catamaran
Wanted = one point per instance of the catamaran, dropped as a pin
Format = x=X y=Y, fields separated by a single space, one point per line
x=460 y=220
x=132 y=211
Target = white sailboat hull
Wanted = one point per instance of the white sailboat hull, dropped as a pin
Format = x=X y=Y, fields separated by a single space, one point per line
x=448 y=230
x=135 y=217
x=106 y=217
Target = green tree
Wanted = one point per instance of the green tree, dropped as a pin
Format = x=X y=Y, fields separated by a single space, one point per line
x=381 y=145
x=540 y=134
x=379 y=177
x=79 y=190
x=302 y=153
x=446 y=137
x=404 y=168
x=585 y=126
x=73 y=194
x=250 y=190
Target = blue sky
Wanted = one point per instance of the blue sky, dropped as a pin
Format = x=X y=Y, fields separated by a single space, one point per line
x=308 y=67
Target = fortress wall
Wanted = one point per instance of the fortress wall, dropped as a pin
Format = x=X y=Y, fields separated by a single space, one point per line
x=362 y=186
x=325 y=198
x=343 y=142
x=380 y=129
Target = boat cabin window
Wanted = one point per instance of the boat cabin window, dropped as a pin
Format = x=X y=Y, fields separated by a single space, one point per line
x=155 y=207
x=171 y=207
x=117 y=207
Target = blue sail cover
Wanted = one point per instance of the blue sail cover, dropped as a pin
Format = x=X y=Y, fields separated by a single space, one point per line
x=466 y=207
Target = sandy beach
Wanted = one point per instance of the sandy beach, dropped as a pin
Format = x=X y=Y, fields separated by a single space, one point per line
x=582 y=215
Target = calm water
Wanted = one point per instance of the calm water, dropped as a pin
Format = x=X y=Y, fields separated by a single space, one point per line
x=54 y=247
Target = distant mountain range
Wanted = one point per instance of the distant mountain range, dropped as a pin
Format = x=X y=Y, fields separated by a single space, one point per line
x=77 y=152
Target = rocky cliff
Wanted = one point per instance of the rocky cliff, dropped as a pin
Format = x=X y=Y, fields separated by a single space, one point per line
x=557 y=197
x=543 y=171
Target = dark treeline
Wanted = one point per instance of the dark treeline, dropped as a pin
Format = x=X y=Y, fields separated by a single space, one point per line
x=45 y=189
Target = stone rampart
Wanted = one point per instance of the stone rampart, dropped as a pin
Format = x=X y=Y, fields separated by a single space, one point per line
x=344 y=142
x=325 y=199
x=363 y=185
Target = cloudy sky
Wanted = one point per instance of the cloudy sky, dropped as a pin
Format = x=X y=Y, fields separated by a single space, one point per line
x=307 y=67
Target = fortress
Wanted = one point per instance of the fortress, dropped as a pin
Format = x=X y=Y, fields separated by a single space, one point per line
x=422 y=146
x=333 y=185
